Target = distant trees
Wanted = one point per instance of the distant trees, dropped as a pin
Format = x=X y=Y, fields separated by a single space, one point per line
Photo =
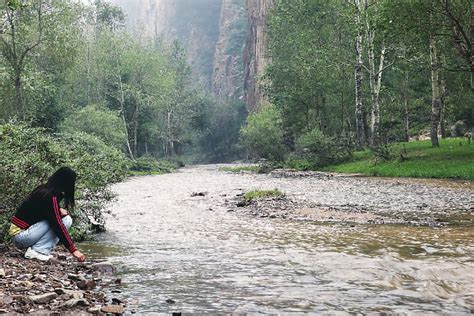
x=70 y=66
x=402 y=54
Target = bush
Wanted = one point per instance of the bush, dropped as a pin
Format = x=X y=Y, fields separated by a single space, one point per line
x=102 y=123
x=150 y=165
x=30 y=156
x=317 y=150
x=262 y=136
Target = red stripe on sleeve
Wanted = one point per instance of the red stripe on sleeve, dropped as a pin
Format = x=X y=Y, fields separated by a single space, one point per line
x=61 y=224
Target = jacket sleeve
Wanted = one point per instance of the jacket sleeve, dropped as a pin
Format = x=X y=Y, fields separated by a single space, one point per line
x=54 y=218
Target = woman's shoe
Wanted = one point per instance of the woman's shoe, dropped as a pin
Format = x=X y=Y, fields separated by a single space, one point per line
x=32 y=254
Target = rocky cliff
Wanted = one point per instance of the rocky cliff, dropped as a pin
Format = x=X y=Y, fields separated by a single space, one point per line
x=151 y=18
x=255 y=53
x=227 y=79
x=195 y=24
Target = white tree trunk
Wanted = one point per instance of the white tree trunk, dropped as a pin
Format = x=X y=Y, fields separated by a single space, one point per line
x=375 y=82
x=435 y=90
x=359 y=106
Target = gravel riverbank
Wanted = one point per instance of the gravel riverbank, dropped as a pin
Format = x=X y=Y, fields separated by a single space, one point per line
x=329 y=197
x=60 y=286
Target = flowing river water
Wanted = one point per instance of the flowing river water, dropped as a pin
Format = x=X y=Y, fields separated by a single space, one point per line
x=179 y=253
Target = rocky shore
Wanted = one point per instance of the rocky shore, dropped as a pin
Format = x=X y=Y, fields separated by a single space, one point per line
x=329 y=206
x=57 y=287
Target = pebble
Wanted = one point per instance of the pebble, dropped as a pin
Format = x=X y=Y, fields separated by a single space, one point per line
x=2 y=273
x=29 y=286
x=43 y=298
x=75 y=303
x=86 y=285
x=112 y=309
x=104 y=267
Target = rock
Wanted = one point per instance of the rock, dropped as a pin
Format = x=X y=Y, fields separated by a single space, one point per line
x=70 y=293
x=6 y=300
x=86 y=285
x=2 y=273
x=3 y=311
x=198 y=194
x=54 y=261
x=116 y=301
x=242 y=203
x=22 y=299
x=94 y=310
x=75 y=277
x=104 y=267
x=118 y=281
x=112 y=309
x=28 y=284
x=43 y=298
x=76 y=303
x=170 y=301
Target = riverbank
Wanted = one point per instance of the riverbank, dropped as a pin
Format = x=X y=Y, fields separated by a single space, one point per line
x=59 y=286
x=454 y=159
x=407 y=201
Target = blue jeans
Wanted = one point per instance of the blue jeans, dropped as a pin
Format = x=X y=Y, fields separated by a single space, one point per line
x=40 y=237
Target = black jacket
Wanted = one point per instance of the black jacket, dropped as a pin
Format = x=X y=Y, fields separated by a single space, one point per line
x=40 y=206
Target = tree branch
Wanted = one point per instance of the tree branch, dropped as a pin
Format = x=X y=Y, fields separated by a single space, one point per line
x=40 y=34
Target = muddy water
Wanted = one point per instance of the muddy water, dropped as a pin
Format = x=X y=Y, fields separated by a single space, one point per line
x=192 y=250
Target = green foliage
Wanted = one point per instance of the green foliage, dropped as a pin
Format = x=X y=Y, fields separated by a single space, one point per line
x=453 y=159
x=260 y=194
x=149 y=165
x=30 y=156
x=239 y=169
x=262 y=136
x=320 y=149
x=382 y=152
x=102 y=123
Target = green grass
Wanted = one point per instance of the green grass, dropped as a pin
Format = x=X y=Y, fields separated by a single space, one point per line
x=454 y=159
x=258 y=194
x=240 y=169
x=133 y=173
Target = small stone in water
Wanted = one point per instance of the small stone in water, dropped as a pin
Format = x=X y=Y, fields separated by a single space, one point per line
x=170 y=301
x=86 y=285
x=104 y=267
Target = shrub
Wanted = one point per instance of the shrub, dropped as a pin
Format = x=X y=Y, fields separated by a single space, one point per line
x=149 y=165
x=102 y=123
x=260 y=194
x=262 y=136
x=318 y=149
x=30 y=156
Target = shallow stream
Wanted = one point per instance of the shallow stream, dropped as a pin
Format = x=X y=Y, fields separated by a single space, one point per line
x=181 y=253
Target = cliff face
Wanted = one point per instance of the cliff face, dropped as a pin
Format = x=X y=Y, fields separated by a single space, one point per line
x=151 y=18
x=227 y=79
x=255 y=52
x=195 y=24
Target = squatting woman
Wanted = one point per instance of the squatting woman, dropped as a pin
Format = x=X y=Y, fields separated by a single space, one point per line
x=39 y=223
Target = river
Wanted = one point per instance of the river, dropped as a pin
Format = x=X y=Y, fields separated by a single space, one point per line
x=179 y=253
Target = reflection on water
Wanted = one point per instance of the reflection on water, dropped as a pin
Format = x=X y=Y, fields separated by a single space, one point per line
x=170 y=246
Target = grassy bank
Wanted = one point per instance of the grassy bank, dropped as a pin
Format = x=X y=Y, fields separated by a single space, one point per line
x=454 y=159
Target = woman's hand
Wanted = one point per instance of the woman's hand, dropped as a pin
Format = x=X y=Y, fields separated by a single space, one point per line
x=79 y=256
x=63 y=212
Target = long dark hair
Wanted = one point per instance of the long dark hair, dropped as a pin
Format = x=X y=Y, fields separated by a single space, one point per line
x=63 y=180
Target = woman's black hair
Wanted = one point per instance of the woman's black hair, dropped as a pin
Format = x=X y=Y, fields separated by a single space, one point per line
x=62 y=181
